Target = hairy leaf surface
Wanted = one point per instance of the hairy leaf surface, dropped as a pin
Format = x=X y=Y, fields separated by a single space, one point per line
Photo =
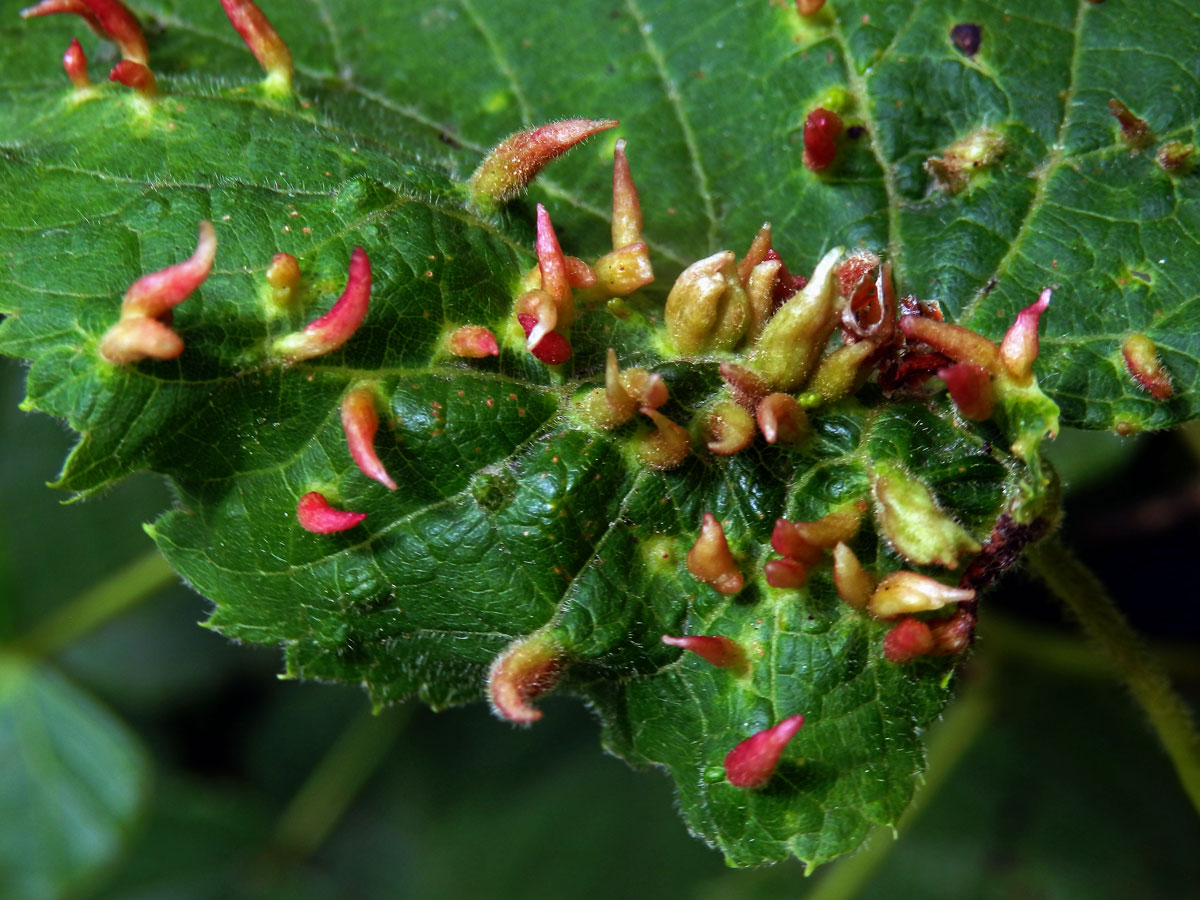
x=514 y=514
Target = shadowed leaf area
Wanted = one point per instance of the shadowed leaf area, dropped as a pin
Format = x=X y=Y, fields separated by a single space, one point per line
x=981 y=178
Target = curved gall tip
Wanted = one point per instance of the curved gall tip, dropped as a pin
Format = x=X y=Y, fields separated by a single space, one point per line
x=314 y=514
x=360 y=421
x=263 y=40
x=527 y=669
x=508 y=169
x=337 y=326
x=154 y=294
x=108 y=18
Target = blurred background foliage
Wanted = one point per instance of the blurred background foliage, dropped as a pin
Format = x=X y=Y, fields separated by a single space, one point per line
x=143 y=757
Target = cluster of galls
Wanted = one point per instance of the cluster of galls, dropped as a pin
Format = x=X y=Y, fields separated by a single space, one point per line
x=110 y=19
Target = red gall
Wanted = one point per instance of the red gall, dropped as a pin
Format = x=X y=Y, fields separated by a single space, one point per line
x=907 y=639
x=752 y=762
x=314 y=514
x=785 y=573
x=970 y=388
x=75 y=64
x=821 y=131
x=720 y=651
x=136 y=76
x=108 y=18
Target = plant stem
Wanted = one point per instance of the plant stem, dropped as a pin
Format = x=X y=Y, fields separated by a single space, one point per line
x=1087 y=600
x=336 y=781
x=120 y=592
x=964 y=721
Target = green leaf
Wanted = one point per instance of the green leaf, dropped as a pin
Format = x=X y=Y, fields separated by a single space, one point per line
x=74 y=781
x=516 y=516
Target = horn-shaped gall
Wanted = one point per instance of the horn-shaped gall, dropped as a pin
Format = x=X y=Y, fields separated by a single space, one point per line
x=840 y=371
x=825 y=532
x=1019 y=348
x=718 y=650
x=667 y=446
x=263 y=40
x=710 y=559
x=627 y=268
x=904 y=593
x=472 y=342
x=507 y=170
x=1134 y=131
x=781 y=419
x=793 y=339
x=75 y=64
x=854 y=584
x=755 y=253
x=108 y=18
x=752 y=762
x=360 y=421
x=136 y=76
x=337 y=326
x=314 y=514
x=746 y=388
x=907 y=639
x=611 y=405
x=553 y=268
x=526 y=670
x=970 y=388
x=910 y=518
x=730 y=428
x=139 y=334
x=821 y=131
x=136 y=338
x=707 y=308
x=626 y=208
x=958 y=343
x=1143 y=363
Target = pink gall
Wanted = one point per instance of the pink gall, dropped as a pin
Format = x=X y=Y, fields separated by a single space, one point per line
x=314 y=514
x=508 y=169
x=262 y=39
x=75 y=64
x=1019 y=348
x=1144 y=364
x=970 y=388
x=579 y=274
x=136 y=76
x=472 y=342
x=953 y=635
x=787 y=540
x=908 y=639
x=710 y=559
x=332 y=330
x=108 y=18
x=156 y=293
x=553 y=268
x=526 y=670
x=752 y=762
x=717 y=650
x=360 y=421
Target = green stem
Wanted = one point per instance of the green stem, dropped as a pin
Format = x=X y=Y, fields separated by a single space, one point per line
x=117 y=594
x=1085 y=596
x=336 y=781
x=964 y=721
